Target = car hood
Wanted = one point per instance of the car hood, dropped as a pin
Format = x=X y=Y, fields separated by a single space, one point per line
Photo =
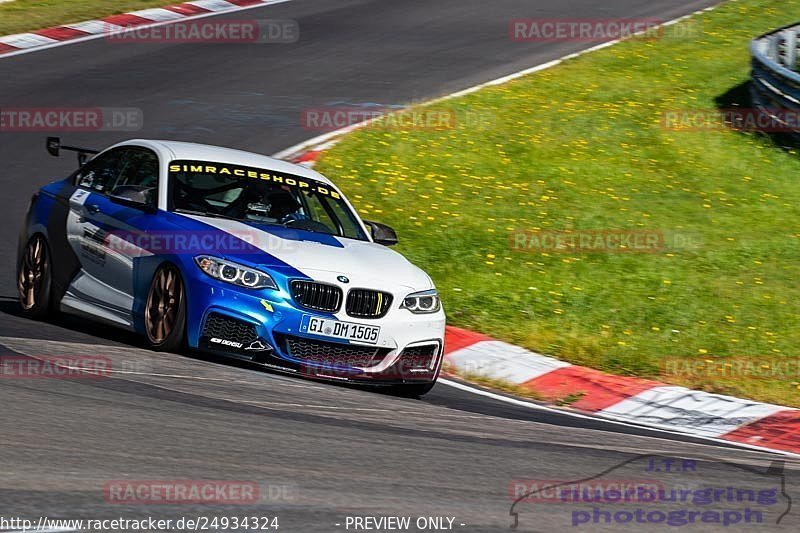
x=318 y=256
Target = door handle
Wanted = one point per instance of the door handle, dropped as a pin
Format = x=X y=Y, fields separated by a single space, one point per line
x=93 y=209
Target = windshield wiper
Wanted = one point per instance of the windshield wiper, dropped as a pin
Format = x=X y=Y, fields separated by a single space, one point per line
x=288 y=225
x=204 y=214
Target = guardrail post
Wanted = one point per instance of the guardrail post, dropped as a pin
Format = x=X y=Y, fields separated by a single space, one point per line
x=774 y=47
x=790 y=54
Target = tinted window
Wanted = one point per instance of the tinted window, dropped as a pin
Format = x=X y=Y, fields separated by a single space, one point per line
x=139 y=169
x=121 y=172
x=138 y=175
x=101 y=172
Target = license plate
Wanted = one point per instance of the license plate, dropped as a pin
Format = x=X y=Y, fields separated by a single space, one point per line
x=340 y=330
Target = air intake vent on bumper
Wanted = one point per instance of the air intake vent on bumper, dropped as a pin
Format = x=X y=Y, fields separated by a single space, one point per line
x=333 y=354
x=229 y=329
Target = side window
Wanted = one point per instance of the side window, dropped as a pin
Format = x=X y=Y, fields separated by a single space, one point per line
x=350 y=227
x=314 y=208
x=138 y=175
x=318 y=213
x=334 y=215
x=101 y=172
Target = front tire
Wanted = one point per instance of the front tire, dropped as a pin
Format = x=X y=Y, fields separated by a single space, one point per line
x=165 y=311
x=34 y=279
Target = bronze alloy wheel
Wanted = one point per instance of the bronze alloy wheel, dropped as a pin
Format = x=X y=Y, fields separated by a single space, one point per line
x=164 y=315
x=33 y=279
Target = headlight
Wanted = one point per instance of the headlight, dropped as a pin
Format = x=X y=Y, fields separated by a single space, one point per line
x=421 y=303
x=234 y=273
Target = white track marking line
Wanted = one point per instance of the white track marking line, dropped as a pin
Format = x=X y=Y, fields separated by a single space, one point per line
x=136 y=28
x=650 y=427
x=325 y=137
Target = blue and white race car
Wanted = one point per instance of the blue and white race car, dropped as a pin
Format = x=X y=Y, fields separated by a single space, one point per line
x=234 y=253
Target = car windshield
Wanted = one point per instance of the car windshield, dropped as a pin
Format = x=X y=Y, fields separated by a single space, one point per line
x=261 y=196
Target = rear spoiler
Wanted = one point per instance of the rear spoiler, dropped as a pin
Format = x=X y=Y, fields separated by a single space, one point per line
x=54 y=148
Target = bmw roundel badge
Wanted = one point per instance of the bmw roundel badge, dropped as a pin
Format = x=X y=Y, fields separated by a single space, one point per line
x=343 y=279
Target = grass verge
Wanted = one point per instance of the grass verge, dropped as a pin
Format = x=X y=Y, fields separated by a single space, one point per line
x=25 y=15
x=581 y=148
x=500 y=385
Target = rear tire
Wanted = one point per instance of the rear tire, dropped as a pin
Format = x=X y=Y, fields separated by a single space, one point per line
x=165 y=310
x=34 y=278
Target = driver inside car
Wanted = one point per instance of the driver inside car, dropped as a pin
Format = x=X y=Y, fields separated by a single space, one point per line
x=282 y=204
x=264 y=204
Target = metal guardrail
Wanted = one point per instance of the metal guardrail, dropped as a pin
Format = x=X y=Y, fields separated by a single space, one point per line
x=776 y=81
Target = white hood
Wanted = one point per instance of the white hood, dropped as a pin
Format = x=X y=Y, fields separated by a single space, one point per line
x=324 y=257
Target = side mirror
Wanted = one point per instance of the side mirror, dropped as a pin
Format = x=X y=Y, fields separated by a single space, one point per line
x=133 y=197
x=381 y=233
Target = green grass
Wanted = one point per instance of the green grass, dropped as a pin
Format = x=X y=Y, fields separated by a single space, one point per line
x=508 y=388
x=581 y=146
x=26 y=15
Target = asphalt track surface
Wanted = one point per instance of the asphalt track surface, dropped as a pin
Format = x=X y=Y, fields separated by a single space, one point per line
x=318 y=452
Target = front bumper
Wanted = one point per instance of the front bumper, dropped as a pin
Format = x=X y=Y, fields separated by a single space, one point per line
x=267 y=327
